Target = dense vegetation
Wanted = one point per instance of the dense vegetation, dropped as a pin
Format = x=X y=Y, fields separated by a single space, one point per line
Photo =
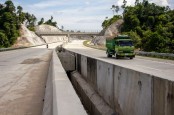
x=110 y=21
x=48 y=22
x=11 y=18
x=149 y=25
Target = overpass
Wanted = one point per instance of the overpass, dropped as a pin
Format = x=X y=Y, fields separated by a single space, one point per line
x=68 y=34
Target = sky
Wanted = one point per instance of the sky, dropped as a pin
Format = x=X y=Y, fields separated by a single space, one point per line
x=83 y=15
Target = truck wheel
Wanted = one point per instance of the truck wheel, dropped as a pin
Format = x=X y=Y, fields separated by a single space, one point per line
x=116 y=56
x=109 y=55
x=131 y=57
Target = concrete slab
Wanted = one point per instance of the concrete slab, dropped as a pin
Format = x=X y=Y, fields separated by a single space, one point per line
x=22 y=85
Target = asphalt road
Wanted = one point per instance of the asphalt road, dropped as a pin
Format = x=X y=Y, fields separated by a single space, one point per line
x=155 y=67
x=23 y=74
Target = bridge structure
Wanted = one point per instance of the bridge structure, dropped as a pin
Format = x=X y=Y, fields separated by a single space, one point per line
x=68 y=34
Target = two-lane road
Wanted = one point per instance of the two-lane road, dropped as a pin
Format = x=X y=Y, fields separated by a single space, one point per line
x=157 y=67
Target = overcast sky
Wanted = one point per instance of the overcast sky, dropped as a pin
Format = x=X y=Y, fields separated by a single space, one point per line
x=84 y=15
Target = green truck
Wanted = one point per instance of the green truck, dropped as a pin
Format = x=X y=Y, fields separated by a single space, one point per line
x=120 y=46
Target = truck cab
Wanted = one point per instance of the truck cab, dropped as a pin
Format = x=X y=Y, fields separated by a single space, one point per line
x=120 y=46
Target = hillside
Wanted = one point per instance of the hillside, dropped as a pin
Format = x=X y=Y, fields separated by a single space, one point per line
x=29 y=38
x=109 y=33
x=48 y=28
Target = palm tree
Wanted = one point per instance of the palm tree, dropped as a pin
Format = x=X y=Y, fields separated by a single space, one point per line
x=136 y=2
x=117 y=8
x=113 y=9
x=124 y=4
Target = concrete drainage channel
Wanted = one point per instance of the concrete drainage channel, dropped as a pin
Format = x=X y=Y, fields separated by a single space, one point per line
x=60 y=97
x=92 y=101
x=107 y=89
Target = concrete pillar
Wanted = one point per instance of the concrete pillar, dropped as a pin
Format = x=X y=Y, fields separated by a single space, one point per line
x=68 y=37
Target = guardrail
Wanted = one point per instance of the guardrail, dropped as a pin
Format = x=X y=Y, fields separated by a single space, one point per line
x=154 y=54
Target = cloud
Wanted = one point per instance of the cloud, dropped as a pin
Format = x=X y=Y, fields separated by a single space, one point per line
x=87 y=2
x=77 y=14
x=46 y=4
x=160 y=2
x=132 y=2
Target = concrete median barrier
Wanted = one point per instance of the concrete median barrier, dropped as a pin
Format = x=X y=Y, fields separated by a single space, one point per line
x=60 y=96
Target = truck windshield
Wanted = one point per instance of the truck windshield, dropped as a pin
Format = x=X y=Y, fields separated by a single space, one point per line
x=125 y=43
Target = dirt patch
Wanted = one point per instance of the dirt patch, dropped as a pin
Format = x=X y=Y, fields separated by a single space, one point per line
x=31 y=61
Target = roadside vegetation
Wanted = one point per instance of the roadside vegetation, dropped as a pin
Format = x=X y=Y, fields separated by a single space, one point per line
x=87 y=44
x=150 y=26
x=11 y=18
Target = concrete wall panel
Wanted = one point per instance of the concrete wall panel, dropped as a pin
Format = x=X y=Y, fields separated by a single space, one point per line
x=132 y=92
x=92 y=72
x=105 y=81
x=84 y=66
x=163 y=97
x=78 y=61
x=67 y=60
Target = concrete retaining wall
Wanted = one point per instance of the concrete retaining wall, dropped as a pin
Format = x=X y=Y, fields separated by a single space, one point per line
x=60 y=96
x=51 y=39
x=127 y=91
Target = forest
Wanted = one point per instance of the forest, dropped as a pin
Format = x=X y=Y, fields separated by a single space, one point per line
x=150 y=26
x=11 y=18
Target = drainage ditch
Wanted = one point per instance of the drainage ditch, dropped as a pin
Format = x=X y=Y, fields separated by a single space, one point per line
x=91 y=100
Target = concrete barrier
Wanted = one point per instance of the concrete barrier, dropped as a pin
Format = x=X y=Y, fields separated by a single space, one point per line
x=60 y=97
x=126 y=91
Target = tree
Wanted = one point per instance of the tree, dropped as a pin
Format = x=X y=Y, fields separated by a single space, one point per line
x=150 y=23
x=113 y=9
x=3 y=40
x=117 y=8
x=41 y=21
x=9 y=6
x=10 y=21
x=31 y=21
x=136 y=2
x=50 y=22
x=107 y=22
x=124 y=4
x=155 y=42
x=135 y=37
x=21 y=15
x=62 y=27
